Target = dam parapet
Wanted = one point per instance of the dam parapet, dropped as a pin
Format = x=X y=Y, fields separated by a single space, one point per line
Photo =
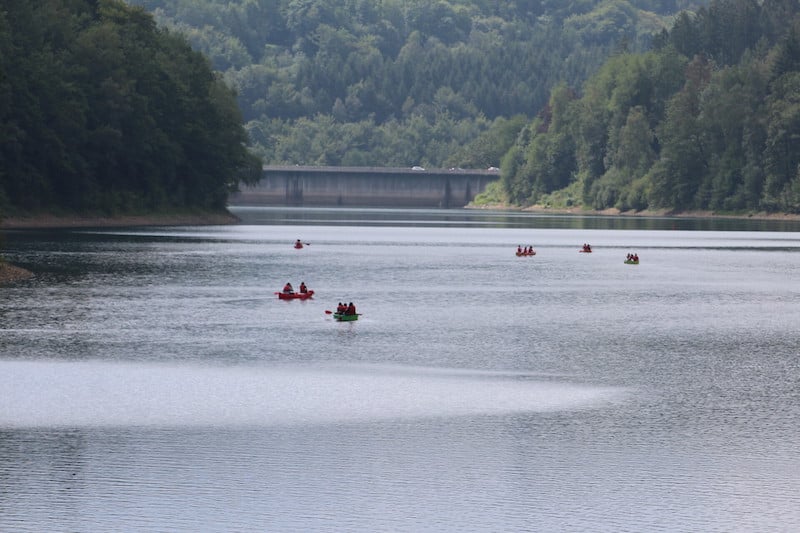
x=365 y=187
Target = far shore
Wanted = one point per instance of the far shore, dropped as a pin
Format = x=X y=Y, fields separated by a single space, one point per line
x=51 y=221
x=47 y=220
x=580 y=211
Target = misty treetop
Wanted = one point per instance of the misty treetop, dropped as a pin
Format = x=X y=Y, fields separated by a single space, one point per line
x=101 y=110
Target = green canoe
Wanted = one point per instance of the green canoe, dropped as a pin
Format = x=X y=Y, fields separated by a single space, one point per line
x=341 y=317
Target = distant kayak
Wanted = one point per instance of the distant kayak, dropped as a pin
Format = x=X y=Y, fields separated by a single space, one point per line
x=295 y=295
x=526 y=254
x=631 y=262
x=341 y=317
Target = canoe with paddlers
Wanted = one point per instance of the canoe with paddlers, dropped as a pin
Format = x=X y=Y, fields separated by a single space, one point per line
x=295 y=295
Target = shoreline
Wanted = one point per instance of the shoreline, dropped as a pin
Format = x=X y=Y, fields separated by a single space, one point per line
x=10 y=273
x=50 y=221
x=662 y=213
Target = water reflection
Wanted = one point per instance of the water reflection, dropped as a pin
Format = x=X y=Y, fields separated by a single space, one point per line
x=498 y=219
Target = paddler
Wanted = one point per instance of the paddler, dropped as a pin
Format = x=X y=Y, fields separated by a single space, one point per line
x=303 y=288
x=288 y=289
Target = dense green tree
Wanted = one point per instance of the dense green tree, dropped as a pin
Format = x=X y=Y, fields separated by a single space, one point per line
x=782 y=154
x=390 y=61
x=715 y=130
x=488 y=149
x=100 y=110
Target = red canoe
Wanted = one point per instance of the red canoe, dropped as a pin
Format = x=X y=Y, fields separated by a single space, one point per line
x=295 y=295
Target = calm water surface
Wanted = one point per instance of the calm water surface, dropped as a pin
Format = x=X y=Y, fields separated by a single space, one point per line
x=151 y=380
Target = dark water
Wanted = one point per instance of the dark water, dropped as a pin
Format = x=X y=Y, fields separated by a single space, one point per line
x=151 y=380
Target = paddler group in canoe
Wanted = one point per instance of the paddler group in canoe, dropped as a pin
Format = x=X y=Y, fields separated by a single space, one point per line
x=345 y=312
x=288 y=292
x=527 y=251
x=632 y=259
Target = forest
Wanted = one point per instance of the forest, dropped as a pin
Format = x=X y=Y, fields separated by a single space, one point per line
x=103 y=112
x=707 y=119
x=638 y=104
x=442 y=83
x=627 y=104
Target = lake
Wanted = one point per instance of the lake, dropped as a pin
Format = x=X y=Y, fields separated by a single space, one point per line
x=151 y=380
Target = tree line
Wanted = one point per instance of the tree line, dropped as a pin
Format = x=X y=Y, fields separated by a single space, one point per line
x=708 y=119
x=101 y=110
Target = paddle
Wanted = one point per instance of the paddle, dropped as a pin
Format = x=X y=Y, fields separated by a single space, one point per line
x=329 y=312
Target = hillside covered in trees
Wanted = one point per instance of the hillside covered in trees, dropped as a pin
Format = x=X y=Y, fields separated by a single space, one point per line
x=709 y=119
x=404 y=82
x=633 y=104
x=101 y=111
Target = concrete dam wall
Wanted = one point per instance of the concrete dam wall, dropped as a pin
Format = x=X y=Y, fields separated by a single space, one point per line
x=364 y=187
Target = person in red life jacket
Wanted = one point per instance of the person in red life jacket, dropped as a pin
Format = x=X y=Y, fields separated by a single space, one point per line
x=341 y=308
x=519 y=249
x=303 y=288
x=288 y=289
x=636 y=257
x=298 y=244
x=351 y=309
